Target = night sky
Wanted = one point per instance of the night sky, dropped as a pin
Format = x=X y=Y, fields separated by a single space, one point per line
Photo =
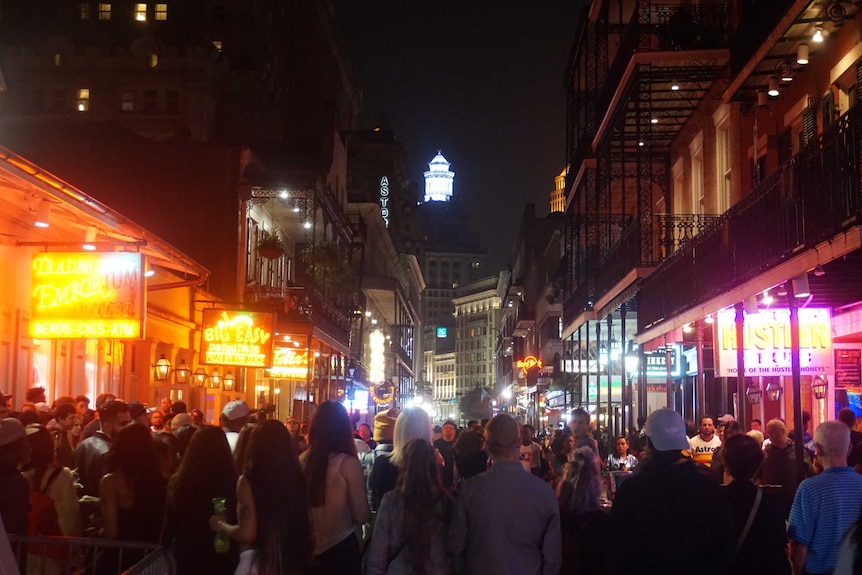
x=480 y=80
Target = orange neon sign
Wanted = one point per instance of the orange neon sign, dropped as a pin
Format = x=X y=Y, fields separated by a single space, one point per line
x=529 y=363
x=87 y=295
x=289 y=363
x=240 y=338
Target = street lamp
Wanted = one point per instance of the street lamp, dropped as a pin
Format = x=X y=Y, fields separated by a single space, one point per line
x=754 y=394
x=773 y=390
x=228 y=381
x=161 y=369
x=507 y=394
x=215 y=379
x=819 y=386
x=200 y=377
x=181 y=373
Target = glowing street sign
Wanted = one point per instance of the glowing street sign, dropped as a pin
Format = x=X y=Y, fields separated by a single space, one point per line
x=442 y=332
x=289 y=363
x=240 y=338
x=529 y=363
x=767 y=343
x=87 y=295
x=384 y=199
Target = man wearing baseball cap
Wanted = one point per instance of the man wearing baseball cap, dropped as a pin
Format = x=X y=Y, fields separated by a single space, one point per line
x=234 y=415
x=663 y=497
x=14 y=491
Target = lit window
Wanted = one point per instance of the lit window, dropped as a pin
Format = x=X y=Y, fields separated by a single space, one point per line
x=217 y=45
x=153 y=60
x=84 y=11
x=83 y=99
x=104 y=11
x=161 y=11
x=128 y=101
x=58 y=59
x=140 y=12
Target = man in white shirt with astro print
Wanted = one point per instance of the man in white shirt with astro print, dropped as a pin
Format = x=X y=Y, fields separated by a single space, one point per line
x=704 y=444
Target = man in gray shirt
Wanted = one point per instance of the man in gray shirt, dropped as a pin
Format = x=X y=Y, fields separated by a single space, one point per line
x=506 y=520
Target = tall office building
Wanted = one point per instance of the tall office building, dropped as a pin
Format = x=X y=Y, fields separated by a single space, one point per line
x=477 y=320
x=558 y=194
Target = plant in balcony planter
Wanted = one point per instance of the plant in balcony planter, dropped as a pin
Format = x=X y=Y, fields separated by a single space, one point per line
x=270 y=246
x=328 y=267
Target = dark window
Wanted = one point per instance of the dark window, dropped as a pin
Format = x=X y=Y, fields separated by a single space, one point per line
x=218 y=11
x=151 y=100
x=84 y=11
x=172 y=101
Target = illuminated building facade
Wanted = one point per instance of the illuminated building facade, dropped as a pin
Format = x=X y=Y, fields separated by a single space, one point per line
x=477 y=317
x=439 y=180
x=558 y=194
x=699 y=205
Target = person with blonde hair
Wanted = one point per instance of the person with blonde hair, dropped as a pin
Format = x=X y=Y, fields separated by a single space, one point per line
x=412 y=423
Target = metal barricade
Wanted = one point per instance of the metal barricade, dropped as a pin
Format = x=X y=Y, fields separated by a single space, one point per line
x=90 y=556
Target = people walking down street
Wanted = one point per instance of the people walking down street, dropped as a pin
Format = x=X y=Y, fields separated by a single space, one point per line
x=446 y=447
x=412 y=423
x=704 y=444
x=563 y=448
x=665 y=490
x=621 y=460
x=470 y=457
x=206 y=473
x=336 y=490
x=65 y=416
x=274 y=526
x=583 y=522
x=384 y=433
x=91 y=453
x=757 y=514
x=410 y=528
x=825 y=505
x=506 y=521
x=779 y=464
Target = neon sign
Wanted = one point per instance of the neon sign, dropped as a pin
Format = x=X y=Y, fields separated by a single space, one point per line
x=529 y=363
x=85 y=295
x=766 y=340
x=289 y=363
x=239 y=338
x=384 y=199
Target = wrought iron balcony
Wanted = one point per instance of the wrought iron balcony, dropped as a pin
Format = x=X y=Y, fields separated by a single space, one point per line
x=814 y=196
x=303 y=304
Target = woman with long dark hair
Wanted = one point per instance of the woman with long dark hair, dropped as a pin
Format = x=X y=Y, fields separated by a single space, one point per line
x=133 y=491
x=336 y=490
x=274 y=529
x=410 y=528
x=206 y=472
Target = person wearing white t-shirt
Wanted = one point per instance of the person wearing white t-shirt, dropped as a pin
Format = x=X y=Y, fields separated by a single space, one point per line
x=530 y=453
x=704 y=444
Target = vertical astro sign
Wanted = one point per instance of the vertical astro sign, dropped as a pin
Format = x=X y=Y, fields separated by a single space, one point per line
x=766 y=340
x=87 y=295
x=239 y=338
x=384 y=199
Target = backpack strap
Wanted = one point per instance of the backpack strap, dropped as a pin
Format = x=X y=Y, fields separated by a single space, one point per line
x=51 y=479
x=750 y=520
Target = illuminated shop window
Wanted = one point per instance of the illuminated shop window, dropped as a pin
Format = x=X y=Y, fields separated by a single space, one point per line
x=140 y=12
x=104 y=11
x=161 y=11
x=84 y=11
x=83 y=99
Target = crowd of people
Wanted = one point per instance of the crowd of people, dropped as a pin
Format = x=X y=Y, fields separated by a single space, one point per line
x=396 y=495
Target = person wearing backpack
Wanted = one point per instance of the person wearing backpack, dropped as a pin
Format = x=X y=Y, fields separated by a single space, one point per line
x=53 y=503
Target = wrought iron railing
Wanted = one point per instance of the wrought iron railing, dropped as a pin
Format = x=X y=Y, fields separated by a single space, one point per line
x=811 y=198
x=301 y=303
x=674 y=230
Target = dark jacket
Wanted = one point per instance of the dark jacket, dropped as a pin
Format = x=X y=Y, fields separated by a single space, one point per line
x=764 y=550
x=90 y=458
x=779 y=468
x=585 y=543
x=14 y=499
x=652 y=514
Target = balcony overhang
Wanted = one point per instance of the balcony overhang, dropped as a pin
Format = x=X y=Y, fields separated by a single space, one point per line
x=837 y=247
x=385 y=293
x=693 y=71
x=622 y=292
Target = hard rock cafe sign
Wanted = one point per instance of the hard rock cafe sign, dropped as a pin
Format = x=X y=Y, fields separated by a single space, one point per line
x=528 y=363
